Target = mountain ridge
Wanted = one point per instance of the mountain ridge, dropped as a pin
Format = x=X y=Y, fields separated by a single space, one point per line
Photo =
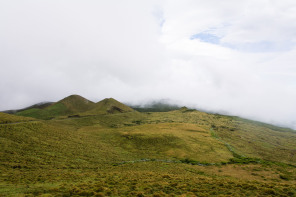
x=75 y=105
x=109 y=105
x=69 y=108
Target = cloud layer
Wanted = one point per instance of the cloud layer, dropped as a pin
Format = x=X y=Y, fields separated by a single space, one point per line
x=230 y=56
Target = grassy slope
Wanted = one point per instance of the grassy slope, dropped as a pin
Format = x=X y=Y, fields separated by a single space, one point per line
x=108 y=105
x=70 y=105
x=8 y=118
x=248 y=138
x=102 y=154
x=255 y=139
x=47 y=113
x=77 y=104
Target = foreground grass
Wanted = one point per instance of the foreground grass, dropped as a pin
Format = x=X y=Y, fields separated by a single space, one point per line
x=146 y=154
x=156 y=179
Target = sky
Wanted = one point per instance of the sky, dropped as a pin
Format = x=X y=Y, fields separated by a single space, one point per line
x=236 y=57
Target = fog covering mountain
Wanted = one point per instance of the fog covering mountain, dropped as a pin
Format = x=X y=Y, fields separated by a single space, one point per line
x=156 y=106
x=232 y=56
x=76 y=104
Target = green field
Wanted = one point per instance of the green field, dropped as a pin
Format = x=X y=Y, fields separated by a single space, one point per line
x=109 y=149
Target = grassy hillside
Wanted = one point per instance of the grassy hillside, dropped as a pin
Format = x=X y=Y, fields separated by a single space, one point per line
x=8 y=118
x=41 y=105
x=177 y=153
x=247 y=138
x=70 y=105
x=108 y=105
x=75 y=106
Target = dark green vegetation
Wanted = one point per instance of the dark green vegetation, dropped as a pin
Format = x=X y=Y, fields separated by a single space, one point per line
x=108 y=149
x=38 y=106
x=156 y=107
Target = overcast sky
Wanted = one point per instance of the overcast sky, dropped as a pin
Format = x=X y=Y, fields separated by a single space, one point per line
x=235 y=56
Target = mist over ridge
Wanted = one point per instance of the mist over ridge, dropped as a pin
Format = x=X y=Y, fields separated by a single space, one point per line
x=160 y=105
x=232 y=57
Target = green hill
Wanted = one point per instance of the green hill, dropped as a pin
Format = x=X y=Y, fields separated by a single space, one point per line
x=70 y=105
x=106 y=152
x=110 y=106
x=41 y=105
x=75 y=106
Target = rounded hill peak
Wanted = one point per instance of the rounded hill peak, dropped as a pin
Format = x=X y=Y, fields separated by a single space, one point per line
x=109 y=99
x=74 y=96
x=109 y=105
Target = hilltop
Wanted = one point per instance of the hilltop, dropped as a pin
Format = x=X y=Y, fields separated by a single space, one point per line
x=74 y=106
x=70 y=105
x=109 y=149
x=109 y=105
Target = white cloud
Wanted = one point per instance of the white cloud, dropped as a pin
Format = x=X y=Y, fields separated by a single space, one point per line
x=140 y=50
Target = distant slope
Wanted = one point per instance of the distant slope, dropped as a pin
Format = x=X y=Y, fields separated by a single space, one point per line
x=8 y=118
x=41 y=105
x=109 y=106
x=157 y=106
x=70 y=105
x=76 y=105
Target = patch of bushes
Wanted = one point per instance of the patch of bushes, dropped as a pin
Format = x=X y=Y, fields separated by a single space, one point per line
x=244 y=160
x=194 y=162
x=285 y=177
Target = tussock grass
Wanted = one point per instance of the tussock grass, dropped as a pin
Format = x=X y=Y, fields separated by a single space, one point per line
x=127 y=153
x=8 y=118
x=160 y=179
x=248 y=138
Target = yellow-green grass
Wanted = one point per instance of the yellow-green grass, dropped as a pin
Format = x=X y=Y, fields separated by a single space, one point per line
x=8 y=118
x=172 y=140
x=154 y=179
x=247 y=138
x=258 y=140
x=139 y=154
x=46 y=145
x=49 y=112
